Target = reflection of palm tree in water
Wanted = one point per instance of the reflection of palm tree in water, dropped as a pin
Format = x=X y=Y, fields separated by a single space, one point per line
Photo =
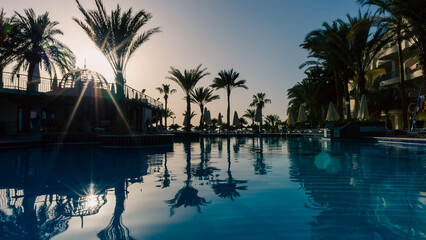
x=204 y=171
x=187 y=196
x=116 y=229
x=166 y=177
x=44 y=222
x=384 y=198
x=228 y=188
x=260 y=166
x=28 y=221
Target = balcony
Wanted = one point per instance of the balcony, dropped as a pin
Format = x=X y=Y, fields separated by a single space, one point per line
x=389 y=53
x=19 y=82
x=392 y=51
x=389 y=78
x=412 y=73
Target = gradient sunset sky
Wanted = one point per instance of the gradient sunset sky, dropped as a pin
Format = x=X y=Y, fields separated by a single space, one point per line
x=259 y=39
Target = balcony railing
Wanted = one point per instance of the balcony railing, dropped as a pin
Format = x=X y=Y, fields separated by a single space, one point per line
x=19 y=82
x=389 y=78
x=131 y=93
x=44 y=85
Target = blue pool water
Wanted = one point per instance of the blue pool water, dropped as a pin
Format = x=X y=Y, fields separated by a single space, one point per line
x=217 y=188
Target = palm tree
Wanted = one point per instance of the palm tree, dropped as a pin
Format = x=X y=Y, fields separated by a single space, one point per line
x=169 y=113
x=202 y=96
x=397 y=29
x=187 y=82
x=384 y=99
x=38 y=45
x=165 y=89
x=273 y=120
x=228 y=81
x=117 y=37
x=330 y=47
x=185 y=121
x=35 y=44
x=250 y=114
x=316 y=91
x=413 y=13
x=242 y=121
x=364 y=46
x=6 y=47
x=259 y=102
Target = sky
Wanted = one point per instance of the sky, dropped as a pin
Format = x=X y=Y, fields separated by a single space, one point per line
x=258 y=39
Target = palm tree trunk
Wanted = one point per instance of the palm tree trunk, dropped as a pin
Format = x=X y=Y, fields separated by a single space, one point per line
x=422 y=64
x=261 y=120
x=165 y=114
x=402 y=80
x=188 y=113
x=121 y=121
x=1 y=76
x=361 y=84
x=228 y=111
x=347 y=99
x=202 y=115
x=26 y=106
x=30 y=73
x=338 y=95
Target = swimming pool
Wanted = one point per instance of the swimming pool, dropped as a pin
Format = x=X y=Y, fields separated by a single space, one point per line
x=217 y=188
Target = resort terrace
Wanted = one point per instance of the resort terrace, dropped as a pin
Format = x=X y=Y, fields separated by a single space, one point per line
x=19 y=82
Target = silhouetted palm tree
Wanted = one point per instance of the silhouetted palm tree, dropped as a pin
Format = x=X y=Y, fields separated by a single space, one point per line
x=330 y=47
x=272 y=120
x=6 y=43
x=414 y=12
x=413 y=15
x=250 y=114
x=165 y=89
x=36 y=45
x=259 y=102
x=169 y=113
x=364 y=46
x=242 y=121
x=316 y=91
x=39 y=46
x=383 y=99
x=202 y=96
x=187 y=82
x=398 y=29
x=185 y=121
x=228 y=81
x=116 y=35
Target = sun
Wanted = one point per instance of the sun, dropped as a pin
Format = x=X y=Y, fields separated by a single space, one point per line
x=90 y=57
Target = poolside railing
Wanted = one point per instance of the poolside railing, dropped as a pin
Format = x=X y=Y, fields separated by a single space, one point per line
x=131 y=93
x=20 y=82
x=44 y=85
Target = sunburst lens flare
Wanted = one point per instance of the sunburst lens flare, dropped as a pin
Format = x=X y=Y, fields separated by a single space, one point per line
x=119 y=111
x=70 y=119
